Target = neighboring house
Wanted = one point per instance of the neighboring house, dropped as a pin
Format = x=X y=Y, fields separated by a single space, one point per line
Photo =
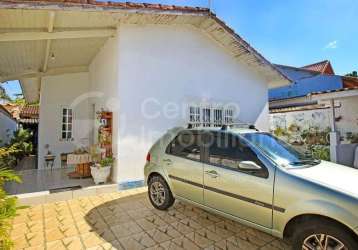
x=7 y=125
x=305 y=80
x=29 y=115
x=154 y=66
x=29 y=119
x=298 y=114
x=14 y=109
x=345 y=123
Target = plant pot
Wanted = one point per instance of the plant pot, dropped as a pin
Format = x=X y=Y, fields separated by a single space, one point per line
x=100 y=174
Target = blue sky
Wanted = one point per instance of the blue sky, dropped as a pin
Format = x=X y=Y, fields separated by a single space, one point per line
x=289 y=32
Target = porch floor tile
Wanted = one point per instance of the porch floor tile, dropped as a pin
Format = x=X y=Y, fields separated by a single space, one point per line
x=36 y=180
x=127 y=220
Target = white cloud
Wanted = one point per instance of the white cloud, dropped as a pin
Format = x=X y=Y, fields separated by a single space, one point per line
x=331 y=45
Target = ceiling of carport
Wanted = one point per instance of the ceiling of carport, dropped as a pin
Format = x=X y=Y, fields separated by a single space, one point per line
x=23 y=59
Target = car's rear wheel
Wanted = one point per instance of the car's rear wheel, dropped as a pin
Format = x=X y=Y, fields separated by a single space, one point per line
x=159 y=193
x=323 y=235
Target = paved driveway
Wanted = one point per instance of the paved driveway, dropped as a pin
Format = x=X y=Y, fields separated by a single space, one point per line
x=126 y=220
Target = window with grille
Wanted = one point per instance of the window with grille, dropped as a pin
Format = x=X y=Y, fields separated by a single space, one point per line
x=206 y=117
x=210 y=117
x=67 y=119
x=218 y=117
x=228 y=116
x=194 y=116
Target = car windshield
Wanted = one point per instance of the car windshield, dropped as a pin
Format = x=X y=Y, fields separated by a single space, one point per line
x=280 y=151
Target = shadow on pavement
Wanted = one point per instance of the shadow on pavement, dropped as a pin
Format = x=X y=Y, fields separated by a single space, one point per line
x=130 y=222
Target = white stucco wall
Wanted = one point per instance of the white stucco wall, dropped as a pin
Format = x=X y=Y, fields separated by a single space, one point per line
x=146 y=76
x=57 y=92
x=348 y=111
x=103 y=75
x=163 y=67
x=7 y=128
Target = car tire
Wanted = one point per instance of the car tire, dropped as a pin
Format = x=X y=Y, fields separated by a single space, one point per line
x=309 y=232
x=159 y=193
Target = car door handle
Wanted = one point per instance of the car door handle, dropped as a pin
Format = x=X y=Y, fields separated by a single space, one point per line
x=212 y=173
x=167 y=161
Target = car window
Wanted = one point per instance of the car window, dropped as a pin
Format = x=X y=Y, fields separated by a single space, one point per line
x=186 y=145
x=228 y=151
x=282 y=153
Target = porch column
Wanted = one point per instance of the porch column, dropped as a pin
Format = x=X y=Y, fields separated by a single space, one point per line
x=334 y=136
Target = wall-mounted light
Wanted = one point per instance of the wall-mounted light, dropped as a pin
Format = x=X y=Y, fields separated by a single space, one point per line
x=53 y=56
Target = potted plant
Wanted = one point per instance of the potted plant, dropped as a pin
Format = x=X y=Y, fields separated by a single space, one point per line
x=101 y=170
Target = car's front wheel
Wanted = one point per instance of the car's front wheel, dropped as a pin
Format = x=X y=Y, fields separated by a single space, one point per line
x=159 y=193
x=322 y=235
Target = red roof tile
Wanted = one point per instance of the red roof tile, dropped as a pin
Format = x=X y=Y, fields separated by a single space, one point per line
x=6 y=112
x=30 y=111
x=14 y=109
x=323 y=67
x=349 y=82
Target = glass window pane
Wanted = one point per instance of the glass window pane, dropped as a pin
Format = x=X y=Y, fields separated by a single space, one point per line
x=69 y=111
x=64 y=111
x=218 y=117
x=206 y=117
x=229 y=151
x=63 y=135
x=186 y=145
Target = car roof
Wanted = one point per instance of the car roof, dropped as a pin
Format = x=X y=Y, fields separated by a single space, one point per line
x=229 y=130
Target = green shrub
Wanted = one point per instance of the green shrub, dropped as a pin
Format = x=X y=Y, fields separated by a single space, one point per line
x=22 y=141
x=279 y=132
x=320 y=152
x=7 y=207
x=8 y=157
x=108 y=161
x=19 y=146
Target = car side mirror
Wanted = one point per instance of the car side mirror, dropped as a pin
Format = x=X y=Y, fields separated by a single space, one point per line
x=249 y=165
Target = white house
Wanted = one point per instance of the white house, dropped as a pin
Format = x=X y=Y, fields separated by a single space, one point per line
x=8 y=125
x=153 y=66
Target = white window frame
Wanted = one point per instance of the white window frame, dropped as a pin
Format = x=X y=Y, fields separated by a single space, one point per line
x=209 y=115
x=67 y=118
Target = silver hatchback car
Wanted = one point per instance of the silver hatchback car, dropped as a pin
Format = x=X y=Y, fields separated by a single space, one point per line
x=256 y=179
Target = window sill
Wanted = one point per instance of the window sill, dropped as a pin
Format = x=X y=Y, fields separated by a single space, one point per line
x=67 y=140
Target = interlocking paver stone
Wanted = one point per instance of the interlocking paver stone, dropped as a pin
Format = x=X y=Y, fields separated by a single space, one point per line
x=127 y=220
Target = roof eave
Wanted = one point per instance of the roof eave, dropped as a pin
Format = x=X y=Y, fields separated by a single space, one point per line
x=334 y=94
x=103 y=6
x=274 y=82
x=273 y=76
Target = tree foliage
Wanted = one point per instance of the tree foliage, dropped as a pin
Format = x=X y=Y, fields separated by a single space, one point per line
x=352 y=74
